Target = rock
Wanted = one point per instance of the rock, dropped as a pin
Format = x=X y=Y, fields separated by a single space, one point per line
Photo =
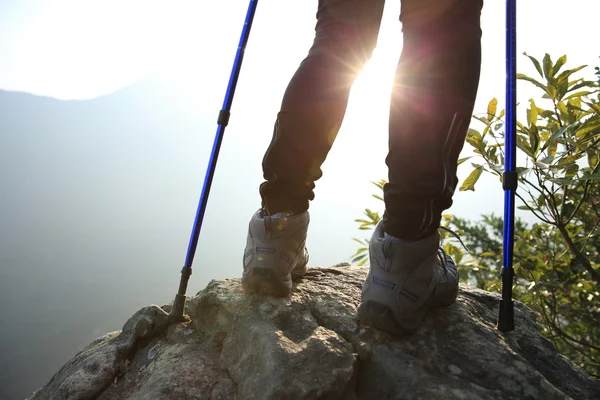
x=342 y=264
x=310 y=346
x=95 y=367
x=146 y=322
x=88 y=373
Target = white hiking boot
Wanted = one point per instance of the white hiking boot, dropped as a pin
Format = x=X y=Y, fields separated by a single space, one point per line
x=405 y=280
x=275 y=252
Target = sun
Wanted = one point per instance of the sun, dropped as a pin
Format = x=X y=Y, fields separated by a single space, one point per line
x=371 y=92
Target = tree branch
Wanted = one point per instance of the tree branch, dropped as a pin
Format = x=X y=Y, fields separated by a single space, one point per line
x=587 y=185
x=578 y=255
x=533 y=211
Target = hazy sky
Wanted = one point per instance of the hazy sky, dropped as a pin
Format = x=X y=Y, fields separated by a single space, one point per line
x=83 y=48
x=72 y=49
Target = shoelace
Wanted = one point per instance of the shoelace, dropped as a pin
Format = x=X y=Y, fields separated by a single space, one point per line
x=456 y=236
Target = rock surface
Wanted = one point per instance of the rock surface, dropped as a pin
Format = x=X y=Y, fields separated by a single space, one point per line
x=310 y=346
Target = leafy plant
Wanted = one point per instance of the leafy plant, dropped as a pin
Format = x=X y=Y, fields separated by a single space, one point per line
x=362 y=253
x=557 y=259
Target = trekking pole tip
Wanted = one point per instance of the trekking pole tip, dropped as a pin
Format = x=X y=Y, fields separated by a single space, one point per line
x=179 y=303
x=506 y=316
x=178 y=306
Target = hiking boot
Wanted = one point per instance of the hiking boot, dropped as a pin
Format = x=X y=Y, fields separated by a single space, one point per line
x=405 y=280
x=275 y=252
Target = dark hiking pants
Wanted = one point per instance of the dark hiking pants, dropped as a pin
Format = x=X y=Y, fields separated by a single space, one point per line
x=432 y=102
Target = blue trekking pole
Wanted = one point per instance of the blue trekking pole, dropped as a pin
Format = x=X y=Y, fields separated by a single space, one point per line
x=506 y=318
x=222 y=121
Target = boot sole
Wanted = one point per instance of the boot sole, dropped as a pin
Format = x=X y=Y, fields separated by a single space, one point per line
x=264 y=281
x=381 y=317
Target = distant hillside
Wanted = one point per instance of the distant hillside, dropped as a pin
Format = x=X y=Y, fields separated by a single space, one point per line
x=97 y=197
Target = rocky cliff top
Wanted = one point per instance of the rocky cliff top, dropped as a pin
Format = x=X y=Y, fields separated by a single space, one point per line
x=310 y=346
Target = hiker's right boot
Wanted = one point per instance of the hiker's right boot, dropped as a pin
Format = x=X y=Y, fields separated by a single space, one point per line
x=275 y=252
x=405 y=280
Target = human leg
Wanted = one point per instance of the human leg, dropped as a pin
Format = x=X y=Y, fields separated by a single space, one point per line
x=432 y=102
x=311 y=114
x=315 y=101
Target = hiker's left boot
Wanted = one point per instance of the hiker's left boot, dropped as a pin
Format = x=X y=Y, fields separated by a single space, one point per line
x=275 y=252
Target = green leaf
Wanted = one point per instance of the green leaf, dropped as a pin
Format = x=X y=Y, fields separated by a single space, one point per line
x=572 y=170
x=485 y=131
x=592 y=158
x=532 y=113
x=552 y=149
x=594 y=175
x=360 y=260
x=559 y=63
x=524 y=146
x=581 y=84
x=473 y=132
x=462 y=160
x=568 y=161
x=481 y=119
x=547 y=66
x=562 y=88
x=578 y=94
x=566 y=74
x=552 y=92
x=536 y=63
x=469 y=183
x=534 y=140
x=536 y=83
x=582 y=133
x=359 y=241
x=594 y=106
x=562 y=181
x=554 y=137
x=492 y=154
x=378 y=197
x=475 y=140
x=380 y=184
x=562 y=108
x=541 y=201
x=491 y=109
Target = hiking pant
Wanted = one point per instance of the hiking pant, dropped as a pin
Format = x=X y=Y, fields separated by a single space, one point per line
x=431 y=106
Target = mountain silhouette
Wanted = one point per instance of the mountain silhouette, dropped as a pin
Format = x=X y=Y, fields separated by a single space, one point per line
x=97 y=199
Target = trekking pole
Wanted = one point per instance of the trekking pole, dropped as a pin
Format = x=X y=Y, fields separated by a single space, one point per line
x=222 y=121
x=506 y=319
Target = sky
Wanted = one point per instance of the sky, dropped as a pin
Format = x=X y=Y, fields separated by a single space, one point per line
x=76 y=49
x=82 y=49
